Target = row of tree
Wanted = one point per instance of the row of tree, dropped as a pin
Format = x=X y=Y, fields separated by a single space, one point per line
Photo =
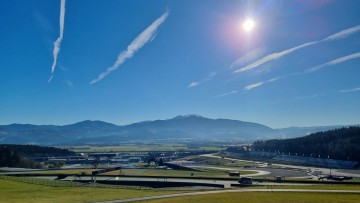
x=12 y=158
x=341 y=144
x=38 y=151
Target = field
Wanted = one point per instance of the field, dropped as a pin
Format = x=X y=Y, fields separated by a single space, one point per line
x=313 y=187
x=268 y=197
x=11 y=191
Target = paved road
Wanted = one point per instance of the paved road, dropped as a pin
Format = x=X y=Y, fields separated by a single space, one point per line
x=301 y=169
x=231 y=191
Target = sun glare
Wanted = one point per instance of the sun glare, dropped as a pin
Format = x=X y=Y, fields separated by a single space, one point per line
x=248 y=25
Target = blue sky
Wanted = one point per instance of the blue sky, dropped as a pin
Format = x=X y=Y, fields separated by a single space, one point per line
x=129 y=61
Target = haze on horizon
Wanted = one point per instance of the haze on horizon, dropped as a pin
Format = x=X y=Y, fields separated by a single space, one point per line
x=277 y=63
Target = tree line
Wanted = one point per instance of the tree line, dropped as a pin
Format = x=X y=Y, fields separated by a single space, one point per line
x=38 y=151
x=12 y=158
x=341 y=144
x=15 y=155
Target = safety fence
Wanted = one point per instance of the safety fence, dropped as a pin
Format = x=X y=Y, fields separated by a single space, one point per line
x=76 y=183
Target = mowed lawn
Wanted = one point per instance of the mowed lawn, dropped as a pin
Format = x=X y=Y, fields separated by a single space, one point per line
x=262 y=197
x=11 y=191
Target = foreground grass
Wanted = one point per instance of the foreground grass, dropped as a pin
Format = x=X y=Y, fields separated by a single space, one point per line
x=268 y=197
x=311 y=187
x=11 y=191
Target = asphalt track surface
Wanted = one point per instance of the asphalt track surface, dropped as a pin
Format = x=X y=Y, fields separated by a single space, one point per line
x=231 y=191
x=288 y=170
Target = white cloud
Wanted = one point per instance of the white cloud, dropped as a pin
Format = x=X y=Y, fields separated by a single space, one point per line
x=277 y=55
x=249 y=56
x=69 y=84
x=249 y=87
x=310 y=97
x=57 y=43
x=316 y=68
x=334 y=62
x=343 y=33
x=197 y=83
x=350 y=90
x=147 y=35
x=252 y=86
x=274 y=56
x=193 y=84
x=227 y=94
x=310 y=70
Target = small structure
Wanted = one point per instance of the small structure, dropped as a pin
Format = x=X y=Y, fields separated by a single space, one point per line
x=233 y=173
x=245 y=181
x=278 y=179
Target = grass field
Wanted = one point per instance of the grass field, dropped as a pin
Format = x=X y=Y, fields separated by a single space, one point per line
x=313 y=187
x=11 y=191
x=261 y=197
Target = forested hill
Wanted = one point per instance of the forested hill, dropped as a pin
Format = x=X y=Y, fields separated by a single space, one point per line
x=341 y=144
x=33 y=150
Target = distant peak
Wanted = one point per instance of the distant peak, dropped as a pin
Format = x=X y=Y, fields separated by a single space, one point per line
x=188 y=116
x=91 y=122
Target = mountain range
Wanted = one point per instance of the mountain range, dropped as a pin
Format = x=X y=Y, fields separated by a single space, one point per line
x=188 y=127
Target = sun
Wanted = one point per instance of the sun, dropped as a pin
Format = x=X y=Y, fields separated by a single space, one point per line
x=248 y=25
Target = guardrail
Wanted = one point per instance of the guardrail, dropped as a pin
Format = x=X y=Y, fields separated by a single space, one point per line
x=102 y=184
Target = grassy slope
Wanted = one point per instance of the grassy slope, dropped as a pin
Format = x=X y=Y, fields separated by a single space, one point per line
x=11 y=191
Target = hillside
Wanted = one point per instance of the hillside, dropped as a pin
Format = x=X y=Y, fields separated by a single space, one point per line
x=188 y=127
x=341 y=144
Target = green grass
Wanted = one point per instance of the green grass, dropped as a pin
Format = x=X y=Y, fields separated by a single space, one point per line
x=11 y=191
x=313 y=187
x=261 y=197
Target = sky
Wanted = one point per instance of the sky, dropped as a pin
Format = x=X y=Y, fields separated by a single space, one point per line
x=128 y=61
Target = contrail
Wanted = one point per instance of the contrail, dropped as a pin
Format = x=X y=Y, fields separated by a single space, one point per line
x=343 y=33
x=310 y=70
x=57 y=43
x=274 y=56
x=350 y=90
x=334 y=62
x=209 y=77
x=147 y=35
x=227 y=94
x=277 y=55
x=258 y=84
